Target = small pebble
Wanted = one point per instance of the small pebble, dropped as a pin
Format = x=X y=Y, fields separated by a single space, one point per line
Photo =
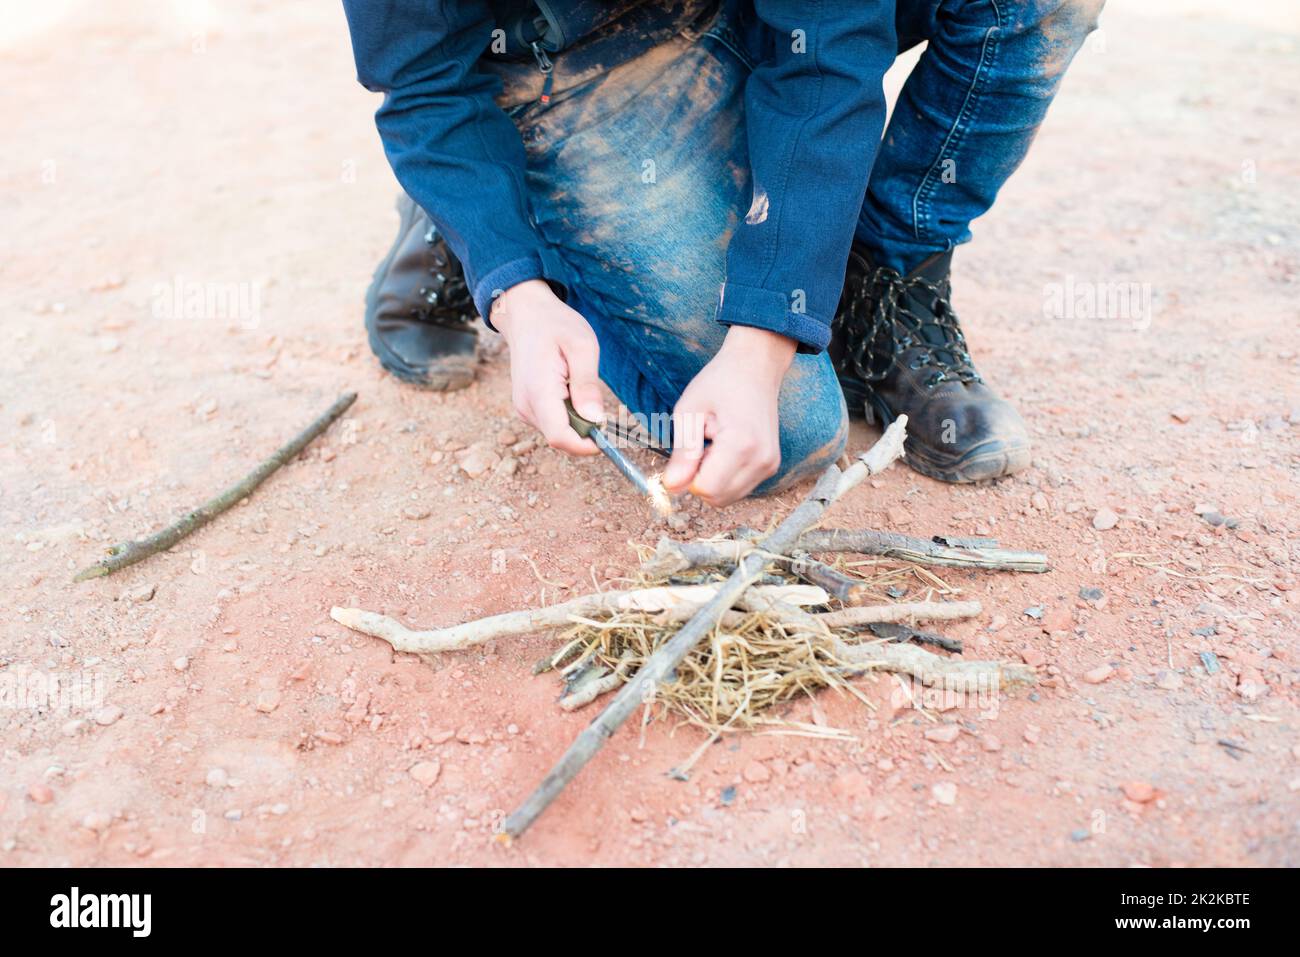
x=1104 y=520
x=40 y=794
x=1099 y=674
x=943 y=734
x=1139 y=792
x=945 y=792
x=108 y=715
x=426 y=772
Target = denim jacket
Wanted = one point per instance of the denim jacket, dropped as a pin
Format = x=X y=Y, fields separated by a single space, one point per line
x=814 y=112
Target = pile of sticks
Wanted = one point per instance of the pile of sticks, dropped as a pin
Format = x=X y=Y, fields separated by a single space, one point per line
x=701 y=608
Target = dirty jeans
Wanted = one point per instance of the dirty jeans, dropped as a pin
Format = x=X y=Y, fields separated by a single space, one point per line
x=639 y=172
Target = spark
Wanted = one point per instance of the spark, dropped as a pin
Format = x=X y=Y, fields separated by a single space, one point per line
x=659 y=498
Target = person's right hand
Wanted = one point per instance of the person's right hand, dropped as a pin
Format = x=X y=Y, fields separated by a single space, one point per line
x=553 y=355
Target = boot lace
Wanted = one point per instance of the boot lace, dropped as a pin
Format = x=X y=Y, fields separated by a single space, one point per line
x=446 y=300
x=881 y=328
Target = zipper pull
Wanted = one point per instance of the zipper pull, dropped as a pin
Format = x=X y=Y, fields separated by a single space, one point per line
x=547 y=66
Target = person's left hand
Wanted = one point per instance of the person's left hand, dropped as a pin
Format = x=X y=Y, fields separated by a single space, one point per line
x=733 y=403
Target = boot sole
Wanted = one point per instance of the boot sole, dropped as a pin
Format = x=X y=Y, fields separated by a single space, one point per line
x=451 y=373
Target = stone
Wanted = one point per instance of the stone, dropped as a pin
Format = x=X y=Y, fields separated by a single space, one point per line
x=426 y=772
x=1139 y=792
x=990 y=742
x=756 y=772
x=109 y=714
x=1104 y=520
x=945 y=792
x=1033 y=657
x=268 y=699
x=1059 y=618
x=1099 y=674
x=217 y=778
x=40 y=794
x=943 y=734
x=477 y=459
x=1169 y=680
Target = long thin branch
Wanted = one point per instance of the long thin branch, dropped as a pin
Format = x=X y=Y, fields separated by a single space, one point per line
x=933 y=670
x=901 y=612
x=832 y=484
x=924 y=551
x=672 y=557
x=470 y=633
x=128 y=553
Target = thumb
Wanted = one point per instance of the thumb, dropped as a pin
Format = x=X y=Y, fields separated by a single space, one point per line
x=584 y=384
x=688 y=450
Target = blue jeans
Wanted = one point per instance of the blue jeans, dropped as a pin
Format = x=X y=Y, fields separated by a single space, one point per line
x=639 y=173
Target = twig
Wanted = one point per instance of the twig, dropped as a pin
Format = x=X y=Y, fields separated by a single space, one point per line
x=849 y=590
x=476 y=632
x=592 y=688
x=901 y=612
x=931 y=669
x=908 y=633
x=672 y=557
x=933 y=551
x=832 y=484
x=128 y=553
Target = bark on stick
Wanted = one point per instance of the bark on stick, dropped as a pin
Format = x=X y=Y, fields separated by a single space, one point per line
x=128 y=553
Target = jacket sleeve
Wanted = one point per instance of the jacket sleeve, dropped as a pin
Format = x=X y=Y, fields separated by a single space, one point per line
x=814 y=110
x=453 y=150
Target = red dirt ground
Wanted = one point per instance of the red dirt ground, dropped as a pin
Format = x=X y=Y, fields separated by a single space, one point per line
x=150 y=144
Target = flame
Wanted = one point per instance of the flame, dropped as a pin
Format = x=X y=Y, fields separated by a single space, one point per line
x=659 y=497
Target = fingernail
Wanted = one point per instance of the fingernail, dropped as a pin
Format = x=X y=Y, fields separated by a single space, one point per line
x=592 y=412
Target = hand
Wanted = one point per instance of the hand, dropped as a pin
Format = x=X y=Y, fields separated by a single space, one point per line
x=733 y=402
x=553 y=355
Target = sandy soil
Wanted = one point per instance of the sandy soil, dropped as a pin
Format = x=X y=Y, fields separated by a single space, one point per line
x=155 y=150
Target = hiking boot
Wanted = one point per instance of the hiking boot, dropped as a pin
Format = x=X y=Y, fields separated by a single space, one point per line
x=419 y=313
x=897 y=348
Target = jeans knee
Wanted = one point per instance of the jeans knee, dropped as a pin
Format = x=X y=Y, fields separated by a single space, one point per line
x=1058 y=29
x=814 y=423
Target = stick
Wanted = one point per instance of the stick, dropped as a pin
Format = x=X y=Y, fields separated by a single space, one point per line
x=908 y=633
x=832 y=484
x=931 y=669
x=471 y=633
x=128 y=553
x=933 y=551
x=672 y=557
x=593 y=688
x=928 y=668
x=849 y=590
x=903 y=611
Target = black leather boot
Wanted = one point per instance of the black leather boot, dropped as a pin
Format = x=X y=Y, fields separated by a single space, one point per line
x=897 y=348
x=419 y=313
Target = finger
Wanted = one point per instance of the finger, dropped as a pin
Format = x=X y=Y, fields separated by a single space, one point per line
x=584 y=381
x=552 y=420
x=733 y=466
x=689 y=427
